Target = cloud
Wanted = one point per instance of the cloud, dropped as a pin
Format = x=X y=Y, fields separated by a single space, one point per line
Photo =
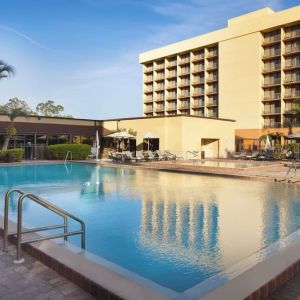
x=24 y=36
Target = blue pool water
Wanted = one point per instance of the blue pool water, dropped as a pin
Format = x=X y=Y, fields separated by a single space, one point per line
x=174 y=229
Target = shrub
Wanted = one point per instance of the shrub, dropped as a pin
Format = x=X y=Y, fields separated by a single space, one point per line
x=79 y=151
x=11 y=155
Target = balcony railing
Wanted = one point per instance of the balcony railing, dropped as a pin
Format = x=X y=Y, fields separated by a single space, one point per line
x=272 y=97
x=271 y=40
x=273 y=68
x=198 y=93
x=160 y=66
x=172 y=63
x=212 y=115
x=212 y=54
x=291 y=95
x=271 y=54
x=171 y=86
x=160 y=77
x=184 y=83
x=295 y=79
x=198 y=69
x=211 y=92
x=198 y=81
x=172 y=107
x=171 y=75
x=199 y=113
x=291 y=50
x=212 y=79
x=212 y=67
x=148 y=100
x=184 y=95
x=198 y=104
x=185 y=60
x=148 y=110
x=198 y=57
x=148 y=69
x=159 y=99
x=267 y=83
x=160 y=108
x=271 y=111
x=292 y=34
x=148 y=90
x=212 y=103
x=292 y=65
x=184 y=106
x=272 y=125
x=184 y=72
x=172 y=97
x=160 y=88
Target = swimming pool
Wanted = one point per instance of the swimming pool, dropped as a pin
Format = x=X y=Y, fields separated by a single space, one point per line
x=174 y=229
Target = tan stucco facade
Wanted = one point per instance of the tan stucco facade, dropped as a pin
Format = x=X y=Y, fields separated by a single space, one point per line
x=183 y=133
x=248 y=71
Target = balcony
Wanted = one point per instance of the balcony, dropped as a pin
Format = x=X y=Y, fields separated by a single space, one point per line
x=212 y=67
x=292 y=35
x=184 y=106
x=271 y=54
x=292 y=50
x=149 y=100
x=212 y=115
x=212 y=92
x=160 y=88
x=148 y=70
x=159 y=77
x=172 y=63
x=171 y=97
x=291 y=66
x=198 y=104
x=159 y=99
x=271 y=41
x=291 y=96
x=171 y=108
x=271 y=111
x=198 y=57
x=184 y=84
x=148 y=110
x=148 y=91
x=171 y=86
x=291 y=81
x=147 y=80
x=212 y=54
x=198 y=81
x=272 y=125
x=184 y=72
x=184 y=61
x=198 y=69
x=184 y=95
x=198 y=113
x=159 y=109
x=272 y=69
x=273 y=97
x=289 y=110
x=272 y=83
x=160 y=67
x=172 y=75
x=198 y=93
x=212 y=103
x=211 y=79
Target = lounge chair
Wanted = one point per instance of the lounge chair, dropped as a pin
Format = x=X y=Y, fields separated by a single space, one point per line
x=93 y=154
x=159 y=155
x=140 y=156
x=240 y=155
x=129 y=157
x=172 y=156
x=149 y=155
x=253 y=155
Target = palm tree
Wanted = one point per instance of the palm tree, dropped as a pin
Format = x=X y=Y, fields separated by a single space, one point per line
x=294 y=116
x=5 y=70
x=13 y=109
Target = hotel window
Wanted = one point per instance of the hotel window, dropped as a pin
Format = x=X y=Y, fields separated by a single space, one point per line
x=172 y=105
x=184 y=104
x=292 y=47
x=198 y=102
x=198 y=67
x=198 y=55
x=272 y=36
x=160 y=96
x=212 y=64
x=292 y=76
x=199 y=112
x=172 y=73
x=272 y=65
x=272 y=79
x=185 y=93
x=212 y=52
x=172 y=83
x=149 y=98
x=172 y=62
x=213 y=76
x=185 y=70
x=160 y=64
x=271 y=51
x=292 y=31
x=292 y=91
x=292 y=62
x=273 y=93
x=149 y=88
x=212 y=100
x=185 y=81
x=149 y=108
x=160 y=75
x=213 y=88
x=172 y=95
x=198 y=79
x=160 y=107
x=185 y=58
x=199 y=91
x=160 y=86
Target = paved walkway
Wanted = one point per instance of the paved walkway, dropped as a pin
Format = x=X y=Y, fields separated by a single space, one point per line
x=289 y=291
x=33 y=280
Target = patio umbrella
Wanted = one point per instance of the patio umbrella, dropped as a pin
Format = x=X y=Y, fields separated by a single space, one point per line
x=97 y=144
x=121 y=135
x=148 y=136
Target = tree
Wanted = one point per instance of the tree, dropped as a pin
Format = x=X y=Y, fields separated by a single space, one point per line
x=294 y=118
x=5 y=70
x=14 y=108
x=49 y=109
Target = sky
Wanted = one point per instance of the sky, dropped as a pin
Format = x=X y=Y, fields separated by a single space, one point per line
x=83 y=54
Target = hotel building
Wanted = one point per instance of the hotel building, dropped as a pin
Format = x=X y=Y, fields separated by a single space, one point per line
x=248 y=71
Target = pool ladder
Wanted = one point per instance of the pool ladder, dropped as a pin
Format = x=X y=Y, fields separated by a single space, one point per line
x=67 y=155
x=20 y=232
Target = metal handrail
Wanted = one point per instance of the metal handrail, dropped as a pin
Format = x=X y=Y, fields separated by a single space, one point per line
x=67 y=155
x=195 y=154
x=62 y=213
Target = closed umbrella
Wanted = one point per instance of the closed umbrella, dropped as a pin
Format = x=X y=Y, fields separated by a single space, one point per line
x=97 y=144
x=267 y=143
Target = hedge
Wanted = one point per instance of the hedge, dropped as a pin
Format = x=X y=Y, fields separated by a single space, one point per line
x=11 y=155
x=79 y=151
